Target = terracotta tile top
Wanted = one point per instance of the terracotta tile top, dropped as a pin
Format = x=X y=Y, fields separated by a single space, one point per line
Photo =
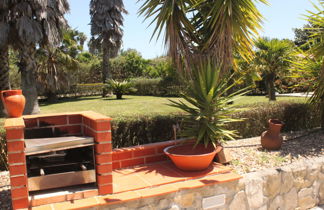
x=156 y=174
x=50 y=115
x=90 y=114
x=94 y=115
x=14 y=123
x=148 y=181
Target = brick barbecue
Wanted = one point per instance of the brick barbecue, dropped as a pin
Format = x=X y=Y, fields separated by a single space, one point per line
x=33 y=142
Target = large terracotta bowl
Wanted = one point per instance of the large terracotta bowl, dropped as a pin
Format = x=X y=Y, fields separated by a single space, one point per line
x=189 y=158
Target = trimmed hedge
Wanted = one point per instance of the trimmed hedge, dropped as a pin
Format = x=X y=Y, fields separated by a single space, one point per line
x=143 y=130
x=296 y=116
x=156 y=87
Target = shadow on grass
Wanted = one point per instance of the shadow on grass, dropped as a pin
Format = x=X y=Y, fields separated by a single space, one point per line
x=114 y=99
x=66 y=100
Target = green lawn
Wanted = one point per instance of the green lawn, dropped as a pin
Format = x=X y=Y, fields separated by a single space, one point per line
x=135 y=105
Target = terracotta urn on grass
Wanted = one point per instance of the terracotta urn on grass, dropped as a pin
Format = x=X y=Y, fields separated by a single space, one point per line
x=271 y=139
x=189 y=158
x=14 y=102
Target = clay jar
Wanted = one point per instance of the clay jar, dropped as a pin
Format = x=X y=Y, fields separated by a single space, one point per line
x=14 y=102
x=271 y=139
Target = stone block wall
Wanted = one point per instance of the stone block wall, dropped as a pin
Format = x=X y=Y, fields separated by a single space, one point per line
x=296 y=186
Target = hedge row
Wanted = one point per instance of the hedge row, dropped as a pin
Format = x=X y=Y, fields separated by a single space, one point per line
x=91 y=89
x=156 y=87
x=143 y=130
x=296 y=116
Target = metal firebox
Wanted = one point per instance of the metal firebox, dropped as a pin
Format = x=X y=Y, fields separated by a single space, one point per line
x=59 y=162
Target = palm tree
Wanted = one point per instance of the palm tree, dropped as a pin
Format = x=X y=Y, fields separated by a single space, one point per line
x=33 y=23
x=106 y=31
x=271 y=58
x=316 y=51
x=56 y=66
x=198 y=30
x=4 y=53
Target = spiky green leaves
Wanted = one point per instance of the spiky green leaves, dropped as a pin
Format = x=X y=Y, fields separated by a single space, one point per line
x=196 y=29
x=208 y=105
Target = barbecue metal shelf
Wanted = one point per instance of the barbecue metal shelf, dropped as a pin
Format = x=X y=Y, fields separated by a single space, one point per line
x=45 y=145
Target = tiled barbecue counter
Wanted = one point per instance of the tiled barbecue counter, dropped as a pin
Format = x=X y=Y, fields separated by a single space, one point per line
x=114 y=176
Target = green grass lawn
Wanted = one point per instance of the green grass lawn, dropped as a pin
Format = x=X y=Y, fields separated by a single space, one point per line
x=135 y=105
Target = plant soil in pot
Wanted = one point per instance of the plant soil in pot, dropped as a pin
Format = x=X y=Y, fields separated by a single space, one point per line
x=14 y=102
x=271 y=139
x=189 y=158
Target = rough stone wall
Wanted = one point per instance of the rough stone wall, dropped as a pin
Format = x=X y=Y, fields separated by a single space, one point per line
x=296 y=186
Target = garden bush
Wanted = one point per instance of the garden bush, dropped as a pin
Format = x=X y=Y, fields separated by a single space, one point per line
x=143 y=130
x=156 y=86
x=3 y=150
x=146 y=86
x=296 y=116
x=130 y=131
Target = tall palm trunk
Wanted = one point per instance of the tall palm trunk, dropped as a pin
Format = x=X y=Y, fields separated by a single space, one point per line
x=28 y=81
x=105 y=65
x=4 y=74
x=271 y=86
x=322 y=113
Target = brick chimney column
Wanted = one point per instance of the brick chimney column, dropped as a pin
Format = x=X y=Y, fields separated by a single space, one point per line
x=99 y=127
x=17 y=162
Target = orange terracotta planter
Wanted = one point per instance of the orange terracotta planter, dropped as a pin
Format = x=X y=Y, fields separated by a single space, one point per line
x=14 y=102
x=188 y=158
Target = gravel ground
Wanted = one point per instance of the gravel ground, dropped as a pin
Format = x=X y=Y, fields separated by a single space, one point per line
x=247 y=154
x=5 y=196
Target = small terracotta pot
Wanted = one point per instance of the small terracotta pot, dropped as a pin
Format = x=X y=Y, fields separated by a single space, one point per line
x=271 y=139
x=14 y=102
x=189 y=158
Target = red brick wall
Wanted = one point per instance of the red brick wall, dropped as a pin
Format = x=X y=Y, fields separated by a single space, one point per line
x=17 y=164
x=40 y=126
x=49 y=126
x=143 y=154
x=100 y=129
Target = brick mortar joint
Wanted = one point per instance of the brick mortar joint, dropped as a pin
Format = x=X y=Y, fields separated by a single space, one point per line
x=89 y=127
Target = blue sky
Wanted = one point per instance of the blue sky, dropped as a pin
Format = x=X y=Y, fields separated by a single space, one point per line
x=280 y=19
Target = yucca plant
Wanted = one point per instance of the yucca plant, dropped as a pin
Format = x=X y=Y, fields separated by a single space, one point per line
x=119 y=88
x=208 y=106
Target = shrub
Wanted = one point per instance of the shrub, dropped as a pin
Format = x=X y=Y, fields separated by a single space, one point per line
x=119 y=88
x=156 y=86
x=296 y=116
x=3 y=150
x=146 y=86
x=143 y=130
x=85 y=89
